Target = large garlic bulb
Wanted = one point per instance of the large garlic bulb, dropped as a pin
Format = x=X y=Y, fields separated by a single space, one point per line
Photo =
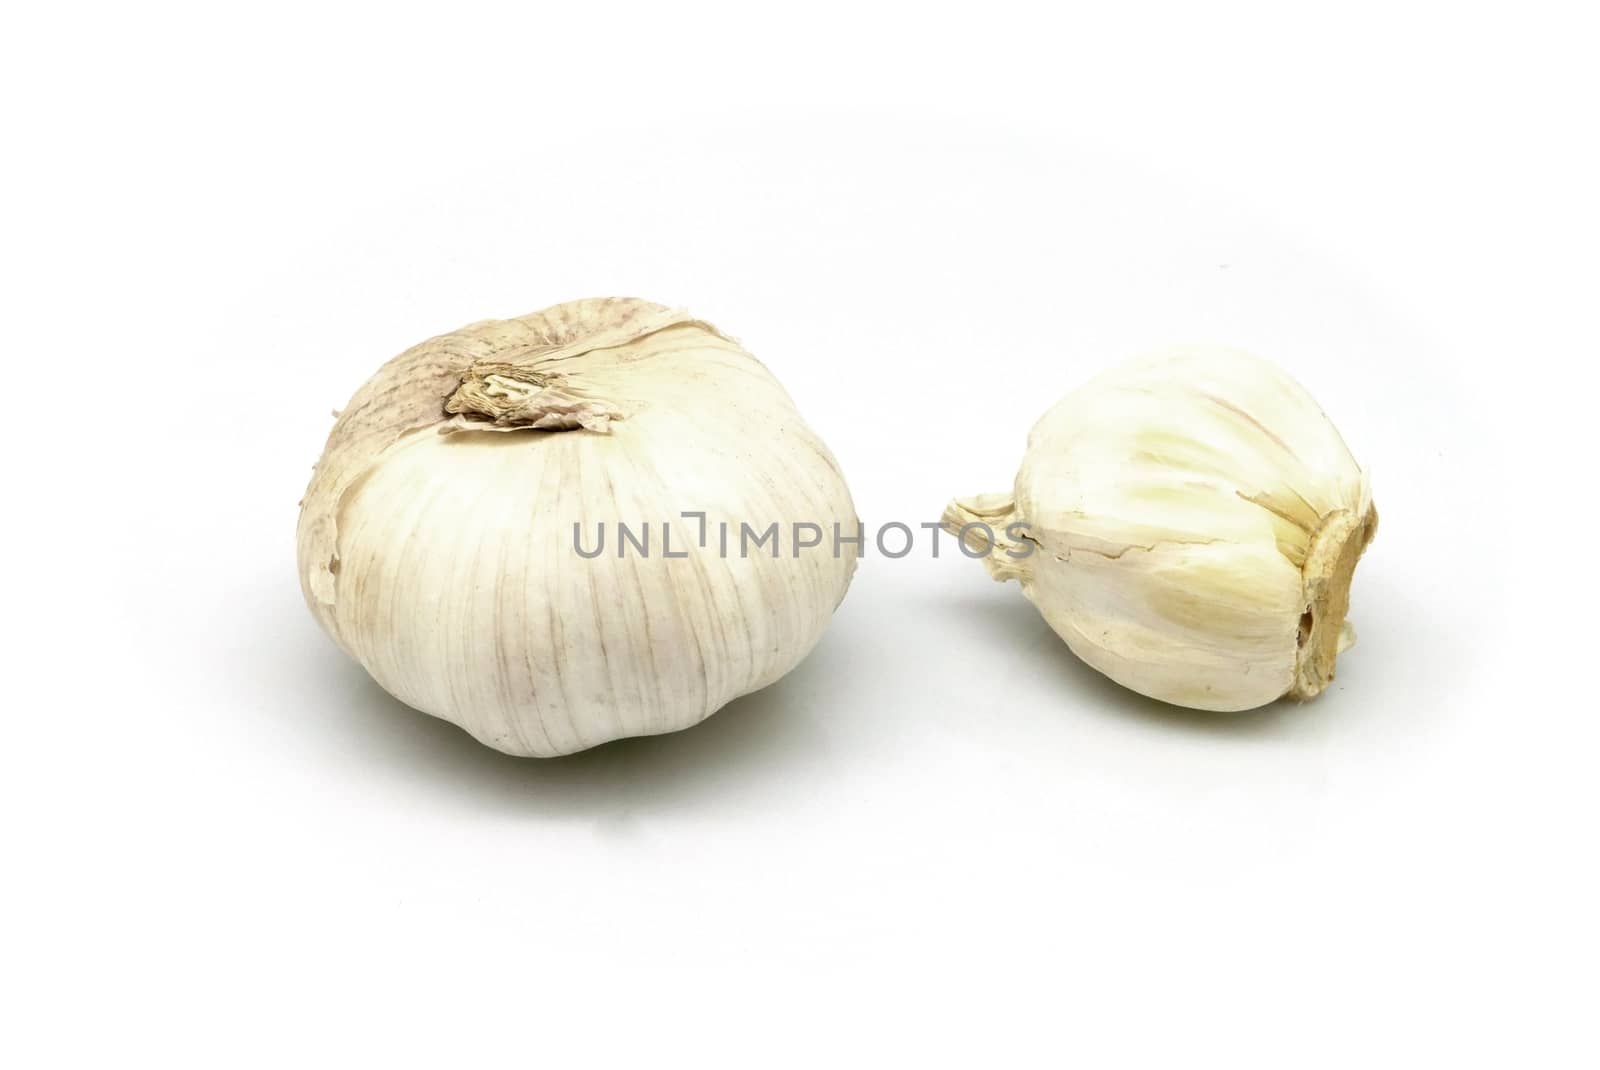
x=447 y=541
x=1189 y=524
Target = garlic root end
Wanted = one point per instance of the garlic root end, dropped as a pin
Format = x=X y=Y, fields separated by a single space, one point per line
x=1329 y=568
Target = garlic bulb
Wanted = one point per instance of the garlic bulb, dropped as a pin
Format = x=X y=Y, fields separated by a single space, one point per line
x=1189 y=524
x=447 y=540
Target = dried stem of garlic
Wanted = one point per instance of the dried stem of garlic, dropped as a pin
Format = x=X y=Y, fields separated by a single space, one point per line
x=438 y=541
x=1195 y=522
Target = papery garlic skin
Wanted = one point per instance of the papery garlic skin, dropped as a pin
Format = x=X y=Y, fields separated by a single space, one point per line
x=1194 y=521
x=437 y=542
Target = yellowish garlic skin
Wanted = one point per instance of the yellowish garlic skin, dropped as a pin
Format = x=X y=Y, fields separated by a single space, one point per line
x=437 y=543
x=1194 y=522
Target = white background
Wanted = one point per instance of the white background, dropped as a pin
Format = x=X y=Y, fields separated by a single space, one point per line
x=941 y=838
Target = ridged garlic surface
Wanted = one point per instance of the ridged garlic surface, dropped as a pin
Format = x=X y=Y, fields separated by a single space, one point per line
x=437 y=542
x=1190 y=523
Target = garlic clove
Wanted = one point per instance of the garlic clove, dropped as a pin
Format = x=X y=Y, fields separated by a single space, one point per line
x=1197 y=520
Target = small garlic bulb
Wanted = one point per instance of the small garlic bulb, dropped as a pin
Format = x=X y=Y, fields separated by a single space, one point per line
x=448 y=539
x=1189 y=523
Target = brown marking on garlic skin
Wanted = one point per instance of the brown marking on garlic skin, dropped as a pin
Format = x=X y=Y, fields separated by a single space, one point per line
x=1330 y=566
x=1266 y=432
